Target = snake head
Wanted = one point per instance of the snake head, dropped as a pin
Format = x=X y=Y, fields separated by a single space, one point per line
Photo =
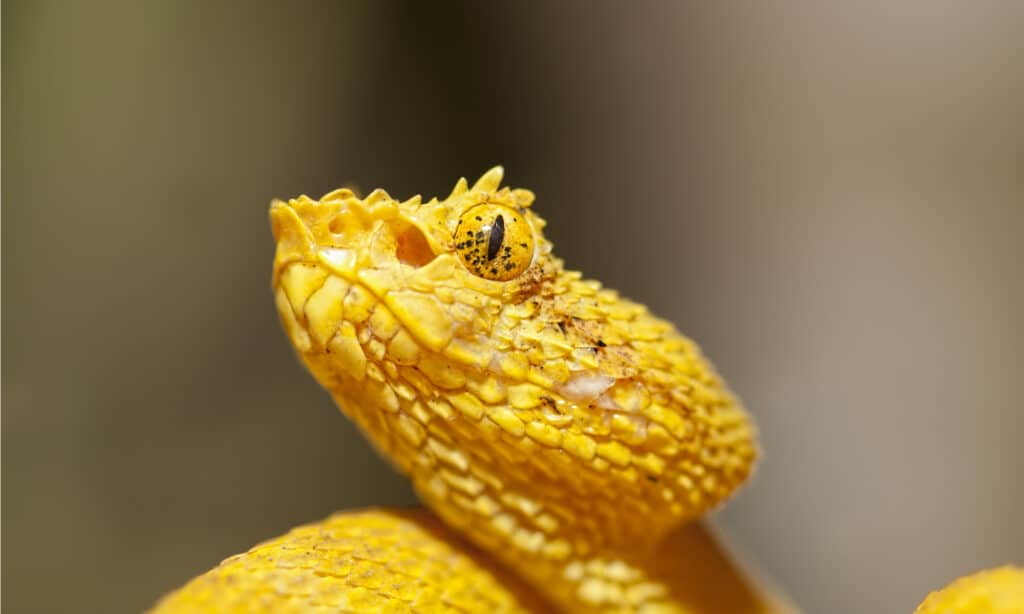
x=532 y=407
x=439 y=267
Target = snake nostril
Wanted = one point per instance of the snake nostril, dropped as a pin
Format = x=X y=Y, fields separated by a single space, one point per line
x=413 y=248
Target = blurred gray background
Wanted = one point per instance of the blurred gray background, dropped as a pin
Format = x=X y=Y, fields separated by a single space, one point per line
x=828 y=197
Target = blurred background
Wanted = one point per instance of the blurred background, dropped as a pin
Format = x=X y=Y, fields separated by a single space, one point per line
x=828 y=197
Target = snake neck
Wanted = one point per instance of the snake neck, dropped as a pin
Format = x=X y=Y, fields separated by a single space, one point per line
x=584 y=550
x=652 y=575
x=572 y=570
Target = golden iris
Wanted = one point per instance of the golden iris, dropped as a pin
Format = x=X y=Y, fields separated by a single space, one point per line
x=494 y=242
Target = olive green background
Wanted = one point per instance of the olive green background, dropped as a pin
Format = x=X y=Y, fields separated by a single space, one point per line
x=827 y=196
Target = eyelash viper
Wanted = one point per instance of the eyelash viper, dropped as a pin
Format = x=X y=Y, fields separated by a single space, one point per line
x=563 y=437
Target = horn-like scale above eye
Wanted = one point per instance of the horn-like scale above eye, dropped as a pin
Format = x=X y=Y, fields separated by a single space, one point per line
x=494 y=242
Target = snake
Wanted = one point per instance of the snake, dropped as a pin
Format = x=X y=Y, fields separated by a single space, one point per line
x=567 y=443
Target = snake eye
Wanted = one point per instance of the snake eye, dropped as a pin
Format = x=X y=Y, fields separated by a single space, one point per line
x=494 y=242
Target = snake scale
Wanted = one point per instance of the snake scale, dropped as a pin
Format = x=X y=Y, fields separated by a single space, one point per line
x=565 y=440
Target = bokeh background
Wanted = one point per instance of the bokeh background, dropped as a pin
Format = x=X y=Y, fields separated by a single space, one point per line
x=829 y=197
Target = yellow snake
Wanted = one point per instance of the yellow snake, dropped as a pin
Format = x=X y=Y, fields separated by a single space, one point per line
x=563 y=437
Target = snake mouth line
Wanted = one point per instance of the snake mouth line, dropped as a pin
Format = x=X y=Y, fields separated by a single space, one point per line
x=584 y=386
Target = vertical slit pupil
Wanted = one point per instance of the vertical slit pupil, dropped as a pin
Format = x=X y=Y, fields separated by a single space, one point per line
x=497 y=236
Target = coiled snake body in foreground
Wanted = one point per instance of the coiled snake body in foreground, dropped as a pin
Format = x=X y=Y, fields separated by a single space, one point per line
x=564 y=437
